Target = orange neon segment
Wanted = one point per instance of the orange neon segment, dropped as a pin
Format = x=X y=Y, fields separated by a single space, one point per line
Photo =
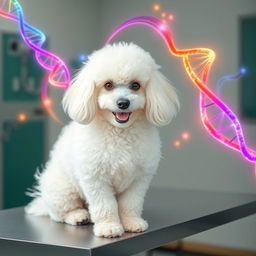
x=185 y=136
x=156 y=7
x=177 y=143
x=22 y=117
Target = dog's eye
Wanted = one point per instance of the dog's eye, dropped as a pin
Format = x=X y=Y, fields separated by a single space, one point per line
x=109 y=86
x=135 y=86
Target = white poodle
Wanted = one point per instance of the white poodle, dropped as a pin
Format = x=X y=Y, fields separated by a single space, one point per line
x=102 y=164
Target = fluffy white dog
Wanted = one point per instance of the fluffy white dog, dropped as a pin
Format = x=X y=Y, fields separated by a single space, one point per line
x=102 y=164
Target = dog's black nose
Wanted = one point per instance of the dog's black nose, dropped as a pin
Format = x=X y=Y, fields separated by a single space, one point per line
x=123 y=103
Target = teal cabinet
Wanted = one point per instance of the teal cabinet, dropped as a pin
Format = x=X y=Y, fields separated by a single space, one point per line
x=22 y=74
x=23 y=153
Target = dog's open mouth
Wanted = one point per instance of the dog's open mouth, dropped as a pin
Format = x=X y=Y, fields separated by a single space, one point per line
x=122 y=117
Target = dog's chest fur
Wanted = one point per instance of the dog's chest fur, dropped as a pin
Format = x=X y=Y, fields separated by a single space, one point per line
x=121 y=159
x=120 y=156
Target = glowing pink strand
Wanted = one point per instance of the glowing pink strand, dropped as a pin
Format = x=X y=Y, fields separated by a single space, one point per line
x=47 y=101
x=157 y=25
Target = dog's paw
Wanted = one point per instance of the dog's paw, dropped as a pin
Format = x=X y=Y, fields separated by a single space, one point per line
x=134 y=224
x=108 y=229
x=77 y=217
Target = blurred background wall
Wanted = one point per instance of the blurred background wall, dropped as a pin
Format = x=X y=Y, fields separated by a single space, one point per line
x=201 y=163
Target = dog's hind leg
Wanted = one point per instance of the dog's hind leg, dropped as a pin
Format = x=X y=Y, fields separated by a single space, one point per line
x=61 y=196
x=37 y=207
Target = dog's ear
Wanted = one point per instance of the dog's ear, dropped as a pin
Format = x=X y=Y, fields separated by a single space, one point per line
x=79 y=101
x=161 y=100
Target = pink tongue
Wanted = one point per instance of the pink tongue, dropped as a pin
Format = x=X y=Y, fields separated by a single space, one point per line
x=122 y=116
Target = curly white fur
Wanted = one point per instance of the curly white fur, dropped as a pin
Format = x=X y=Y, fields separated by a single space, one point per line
x=100 y=168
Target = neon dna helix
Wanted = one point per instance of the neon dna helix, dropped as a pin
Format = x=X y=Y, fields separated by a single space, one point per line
x=58 y=72
x=197 y=63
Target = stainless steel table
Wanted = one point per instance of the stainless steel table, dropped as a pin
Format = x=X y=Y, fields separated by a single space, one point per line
x=172 y=214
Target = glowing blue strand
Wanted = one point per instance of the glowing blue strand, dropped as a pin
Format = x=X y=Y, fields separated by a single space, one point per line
x=241 y=72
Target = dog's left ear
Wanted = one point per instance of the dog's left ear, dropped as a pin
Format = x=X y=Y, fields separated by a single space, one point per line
x=79 y=101
x=161 y=100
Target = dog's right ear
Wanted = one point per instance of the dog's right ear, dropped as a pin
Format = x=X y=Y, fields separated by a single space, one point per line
x=162 y=101
x=79 y=101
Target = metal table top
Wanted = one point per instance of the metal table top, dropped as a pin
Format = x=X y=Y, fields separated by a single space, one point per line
x=172 y=214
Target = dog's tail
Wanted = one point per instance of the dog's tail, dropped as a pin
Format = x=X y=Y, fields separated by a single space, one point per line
x=37 y=207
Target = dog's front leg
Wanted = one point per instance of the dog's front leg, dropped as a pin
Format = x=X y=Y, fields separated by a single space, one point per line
x=103 y=208
x=130 y=204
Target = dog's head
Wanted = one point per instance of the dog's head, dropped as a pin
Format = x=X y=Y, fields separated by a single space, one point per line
x=121 y=83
